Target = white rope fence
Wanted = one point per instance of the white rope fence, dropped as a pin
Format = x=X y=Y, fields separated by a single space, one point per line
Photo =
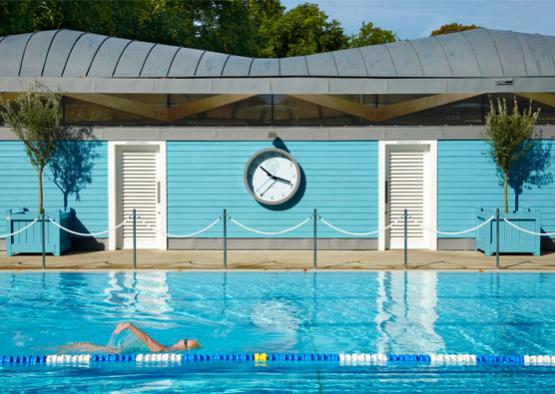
x=20 y=230
x=190 y=235
x=528 y=231
x=280 y=232
x=454 y=232
x=269 y=233
x=87 y=234
x=354 y=234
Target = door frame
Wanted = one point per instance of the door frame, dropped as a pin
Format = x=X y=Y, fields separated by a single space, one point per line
x=431 y=182
x=112 y=188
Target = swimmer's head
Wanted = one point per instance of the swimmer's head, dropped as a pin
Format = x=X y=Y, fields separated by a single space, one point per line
x=186 y=344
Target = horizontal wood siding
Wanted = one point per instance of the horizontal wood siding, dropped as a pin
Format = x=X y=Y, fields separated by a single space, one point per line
x=19 y=187
x=204 y=177
x=467 y=180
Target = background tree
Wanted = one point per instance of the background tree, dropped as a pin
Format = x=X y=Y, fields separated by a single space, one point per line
x=35 y=117
x=371 y=35
x=453 y=28
x=261 y=28
x=303 y=30
x=264 y=15
x=507 y=133
x=229 y=27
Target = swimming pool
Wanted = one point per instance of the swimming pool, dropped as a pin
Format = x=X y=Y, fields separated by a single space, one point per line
x=323 y=312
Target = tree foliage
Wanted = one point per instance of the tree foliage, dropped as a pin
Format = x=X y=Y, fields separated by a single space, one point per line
x=371 y=35
x=303 y=30
x=453 y=28
x=507 y=133
x=35 y=118
x=262 y=28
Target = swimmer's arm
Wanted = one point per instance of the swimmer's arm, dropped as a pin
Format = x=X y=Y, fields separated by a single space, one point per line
x=143 y=336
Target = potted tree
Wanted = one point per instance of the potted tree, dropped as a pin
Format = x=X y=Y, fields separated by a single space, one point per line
x=35 y=117
x=510 y=135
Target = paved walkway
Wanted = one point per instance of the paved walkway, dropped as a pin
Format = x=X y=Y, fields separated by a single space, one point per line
x=280 y=260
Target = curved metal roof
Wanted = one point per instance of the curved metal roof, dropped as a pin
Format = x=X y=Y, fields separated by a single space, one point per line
x=474 y=53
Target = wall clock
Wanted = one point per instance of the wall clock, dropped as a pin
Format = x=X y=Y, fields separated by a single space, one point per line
x=272 y=176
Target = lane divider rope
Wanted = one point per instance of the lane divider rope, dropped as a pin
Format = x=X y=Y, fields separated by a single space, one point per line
x=20 y=230
x=270 y=233
x=339 y=359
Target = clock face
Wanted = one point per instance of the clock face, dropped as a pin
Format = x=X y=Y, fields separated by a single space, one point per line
x=272 y=176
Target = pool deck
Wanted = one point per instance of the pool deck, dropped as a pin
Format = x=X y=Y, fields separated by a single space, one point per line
x=280 y=260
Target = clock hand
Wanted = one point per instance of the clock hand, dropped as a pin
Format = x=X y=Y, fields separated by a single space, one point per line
x=266 y=171
x=277 y=178
x=268 y=188
x=263 y=183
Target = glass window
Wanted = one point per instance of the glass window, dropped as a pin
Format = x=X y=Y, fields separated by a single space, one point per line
x=279 y=110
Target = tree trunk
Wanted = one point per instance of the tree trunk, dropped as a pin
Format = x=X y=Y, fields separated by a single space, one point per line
x=506 y=191
x=40 y=191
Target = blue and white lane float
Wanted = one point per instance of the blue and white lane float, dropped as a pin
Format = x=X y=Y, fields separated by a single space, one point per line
x=340 y=359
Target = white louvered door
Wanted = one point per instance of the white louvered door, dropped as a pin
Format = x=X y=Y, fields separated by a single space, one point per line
x=406 y=189
x=139 y=188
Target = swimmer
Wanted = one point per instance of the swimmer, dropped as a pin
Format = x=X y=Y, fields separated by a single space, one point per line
x=146 y=343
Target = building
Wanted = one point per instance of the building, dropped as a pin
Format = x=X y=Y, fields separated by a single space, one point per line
x=374 y=130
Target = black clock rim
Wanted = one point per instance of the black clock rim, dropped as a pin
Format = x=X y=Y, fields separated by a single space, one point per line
x=248 y=186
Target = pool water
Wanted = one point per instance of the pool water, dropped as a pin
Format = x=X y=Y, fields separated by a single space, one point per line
x=369 y=312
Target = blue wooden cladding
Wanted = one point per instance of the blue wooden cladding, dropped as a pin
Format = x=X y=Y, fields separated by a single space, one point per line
x=19 y=186
x=341 y=181
x=468 y=180
x=511 y=240
x=30 y=240
x=206 y=176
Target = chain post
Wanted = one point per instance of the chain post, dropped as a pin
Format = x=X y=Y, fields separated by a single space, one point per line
x=497 y=239
x=315 y=240
x=225 y=237
x=43 y=240
x=134 y=238
x=405 y=234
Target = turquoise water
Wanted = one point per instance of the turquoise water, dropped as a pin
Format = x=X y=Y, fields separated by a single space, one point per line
x=371 y=312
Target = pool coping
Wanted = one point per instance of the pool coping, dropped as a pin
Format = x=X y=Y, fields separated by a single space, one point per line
x=281 y=260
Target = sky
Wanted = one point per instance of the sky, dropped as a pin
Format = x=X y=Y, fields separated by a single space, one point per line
x=415 y=19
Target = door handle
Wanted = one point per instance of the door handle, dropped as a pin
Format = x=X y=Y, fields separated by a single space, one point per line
x=386 y=192
x=158 y=192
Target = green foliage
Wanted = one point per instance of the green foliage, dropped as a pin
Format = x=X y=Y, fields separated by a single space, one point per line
x=35 y=117
x=507 y=133
x=257 y=28
x=302 y=30
x=228 y=27
x=453 y=28
x=371 y=35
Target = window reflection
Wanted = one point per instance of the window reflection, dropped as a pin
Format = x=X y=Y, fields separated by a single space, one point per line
x=280 y=110
x=406 y=313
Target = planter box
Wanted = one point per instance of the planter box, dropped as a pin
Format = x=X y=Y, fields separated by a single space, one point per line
x=30 y=240
x=511 y=240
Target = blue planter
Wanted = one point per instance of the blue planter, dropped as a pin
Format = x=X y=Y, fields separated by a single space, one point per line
x=30 y=240
x=511 y=240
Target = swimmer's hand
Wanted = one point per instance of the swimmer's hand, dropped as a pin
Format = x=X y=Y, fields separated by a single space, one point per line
x=121 y=327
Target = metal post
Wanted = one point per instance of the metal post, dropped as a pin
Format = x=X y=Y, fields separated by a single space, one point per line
x=43 y=234
x=225 y=237
x=497 y=239
x=134 y=239
x=315 y=240
x=406 y=257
